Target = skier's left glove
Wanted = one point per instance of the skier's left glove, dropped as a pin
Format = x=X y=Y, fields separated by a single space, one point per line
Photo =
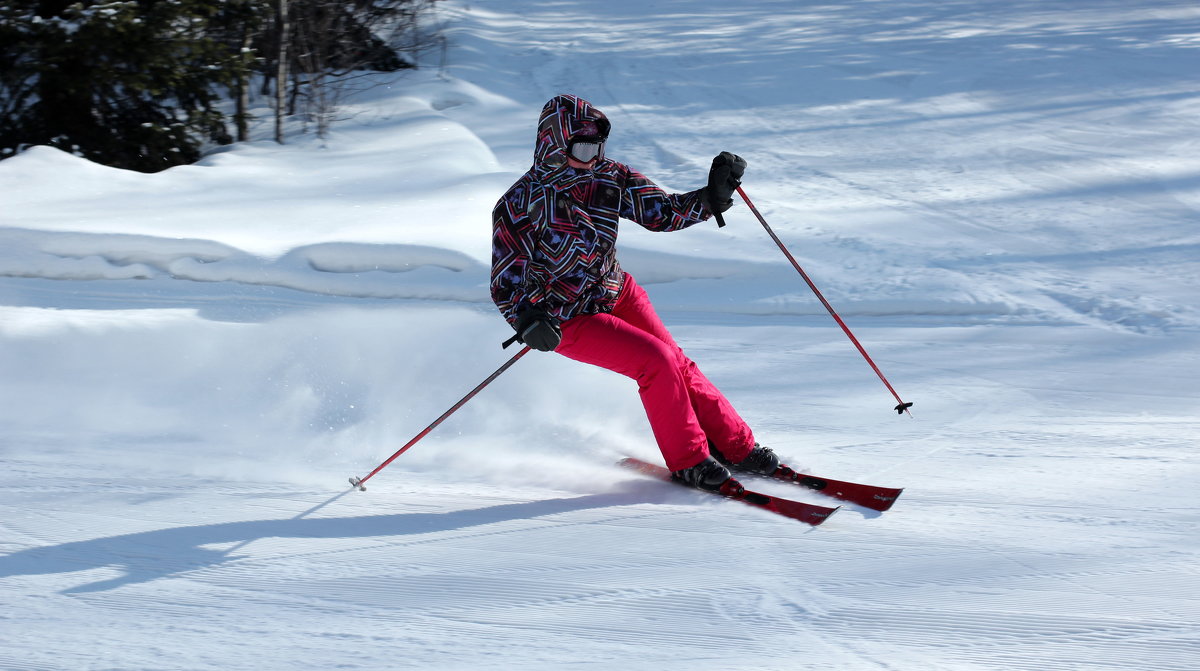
x=536 y=328
x=724 y=177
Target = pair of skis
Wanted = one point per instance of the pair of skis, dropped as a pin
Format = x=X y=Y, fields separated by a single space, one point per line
x=867 y=496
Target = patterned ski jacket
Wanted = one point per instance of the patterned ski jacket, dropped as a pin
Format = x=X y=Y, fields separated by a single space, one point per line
x=554 y=232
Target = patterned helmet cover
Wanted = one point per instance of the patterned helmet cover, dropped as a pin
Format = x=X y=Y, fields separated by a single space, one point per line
x=563 y=117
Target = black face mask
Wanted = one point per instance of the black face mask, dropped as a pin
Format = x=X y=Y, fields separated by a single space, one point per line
x=586 y=148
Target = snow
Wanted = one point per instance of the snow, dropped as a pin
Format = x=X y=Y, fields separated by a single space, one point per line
x=1000 y=198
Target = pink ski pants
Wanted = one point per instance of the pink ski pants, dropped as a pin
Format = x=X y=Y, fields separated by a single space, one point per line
x=685 y=409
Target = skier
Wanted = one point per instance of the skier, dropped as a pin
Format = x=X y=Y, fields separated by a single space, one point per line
x=556 y=280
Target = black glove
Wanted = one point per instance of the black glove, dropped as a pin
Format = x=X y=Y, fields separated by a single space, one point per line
x=536 y=328
x=724 y=178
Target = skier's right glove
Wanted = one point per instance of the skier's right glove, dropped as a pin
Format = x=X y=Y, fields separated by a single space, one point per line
x=536 y=328
x=724 y=177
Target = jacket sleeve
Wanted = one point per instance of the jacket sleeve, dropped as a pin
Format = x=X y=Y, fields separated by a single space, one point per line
x=512 y=253
x=644 y=202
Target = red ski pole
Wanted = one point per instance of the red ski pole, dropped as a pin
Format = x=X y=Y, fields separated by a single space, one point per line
x=359 y=482
x=902 y=407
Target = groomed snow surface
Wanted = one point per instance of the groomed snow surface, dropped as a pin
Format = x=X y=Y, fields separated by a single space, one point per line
x=1002 y=199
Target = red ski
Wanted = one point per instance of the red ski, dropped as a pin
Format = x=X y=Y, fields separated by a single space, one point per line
x=867 y=496
x=808 y=513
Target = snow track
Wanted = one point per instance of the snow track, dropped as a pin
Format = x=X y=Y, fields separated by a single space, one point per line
x=970 y=571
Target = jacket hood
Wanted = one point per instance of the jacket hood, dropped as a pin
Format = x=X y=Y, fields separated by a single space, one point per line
x=562 y=117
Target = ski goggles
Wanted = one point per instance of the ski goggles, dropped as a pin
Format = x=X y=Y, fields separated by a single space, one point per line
x=586 y=148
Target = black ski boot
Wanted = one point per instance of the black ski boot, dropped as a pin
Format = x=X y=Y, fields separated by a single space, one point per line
x=708 y=474
x=761 y=460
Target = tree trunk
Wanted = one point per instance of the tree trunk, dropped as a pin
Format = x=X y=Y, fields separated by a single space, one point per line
x=241 y=115
x=281 y=69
